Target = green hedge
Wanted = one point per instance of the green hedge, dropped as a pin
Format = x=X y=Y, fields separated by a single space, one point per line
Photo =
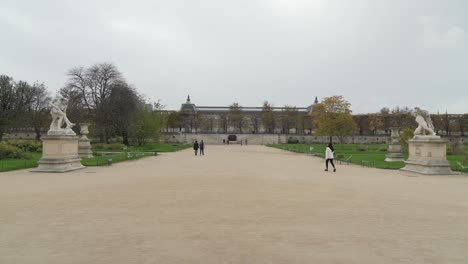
x=11 y=152
x=109 y=147
x=26 y=145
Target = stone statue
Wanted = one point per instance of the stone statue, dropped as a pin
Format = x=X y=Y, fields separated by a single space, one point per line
x=59 y=118
x=425 y=126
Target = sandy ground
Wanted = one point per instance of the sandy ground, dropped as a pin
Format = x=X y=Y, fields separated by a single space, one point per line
x=235 y=205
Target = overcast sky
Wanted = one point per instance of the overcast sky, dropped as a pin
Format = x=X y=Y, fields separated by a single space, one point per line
x=375 y=53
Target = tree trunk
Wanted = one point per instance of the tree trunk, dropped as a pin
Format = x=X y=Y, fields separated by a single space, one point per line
x=125 y=139
x=37 y=130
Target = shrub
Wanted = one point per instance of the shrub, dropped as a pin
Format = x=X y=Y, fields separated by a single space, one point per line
x=293 y=141
x=11 y=152
x=361 y=148
x=407 y=134
x=455 y=149
x=110 y=147
x=26 y=145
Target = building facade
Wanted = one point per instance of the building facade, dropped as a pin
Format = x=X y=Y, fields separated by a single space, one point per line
x=242 y=120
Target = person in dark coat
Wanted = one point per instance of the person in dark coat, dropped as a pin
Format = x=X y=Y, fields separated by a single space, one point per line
x=195 y=147
x=202 y=148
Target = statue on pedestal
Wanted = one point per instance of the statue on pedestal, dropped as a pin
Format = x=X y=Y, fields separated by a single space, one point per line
x=425 y=126
x=59 y=118
x=60 y=146
x=427 y=152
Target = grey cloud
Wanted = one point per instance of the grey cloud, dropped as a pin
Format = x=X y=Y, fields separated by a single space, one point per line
x=375 y=53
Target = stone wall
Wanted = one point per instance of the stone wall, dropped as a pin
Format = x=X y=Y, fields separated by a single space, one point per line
x=265 y=139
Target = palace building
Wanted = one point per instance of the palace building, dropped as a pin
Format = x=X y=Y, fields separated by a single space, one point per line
x=242 y=119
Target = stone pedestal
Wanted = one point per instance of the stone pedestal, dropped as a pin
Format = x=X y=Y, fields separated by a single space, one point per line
x=84 y=144
x=428 y=155
x=59 y=154
x=394 y=151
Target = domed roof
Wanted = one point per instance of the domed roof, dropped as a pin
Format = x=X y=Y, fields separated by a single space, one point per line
x=188 y=106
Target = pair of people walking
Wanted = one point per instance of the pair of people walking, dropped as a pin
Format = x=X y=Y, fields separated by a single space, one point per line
x=200 y=146
x=329 y=157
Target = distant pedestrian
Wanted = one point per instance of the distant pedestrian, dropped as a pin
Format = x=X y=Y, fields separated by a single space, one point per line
x=329 y=157
x=195 y=147
x=241 y=142
x=246 y=142
x=224 y=141
x=202 y=148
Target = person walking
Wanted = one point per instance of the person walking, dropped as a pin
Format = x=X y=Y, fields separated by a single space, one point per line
x=202 y=148
x=195 y=147
x=329 y=157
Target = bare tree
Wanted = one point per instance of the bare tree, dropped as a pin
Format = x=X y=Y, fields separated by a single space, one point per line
x=7 y=102
x=15 y=100
x=255 y=121
x=268 y=117
x=95 y=85
x=38 y=109
x=236 y=117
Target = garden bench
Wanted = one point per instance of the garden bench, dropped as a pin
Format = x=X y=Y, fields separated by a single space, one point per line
x=131 y=155
x=367 y=163
x=345 y=160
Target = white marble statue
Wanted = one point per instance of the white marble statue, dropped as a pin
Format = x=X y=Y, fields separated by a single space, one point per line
x=59 y=118
x=425 y=126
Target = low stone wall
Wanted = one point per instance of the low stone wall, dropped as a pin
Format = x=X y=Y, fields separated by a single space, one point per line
x=265 y=139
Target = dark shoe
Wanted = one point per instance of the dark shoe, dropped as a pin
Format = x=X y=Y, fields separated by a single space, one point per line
x=326 y=170
x=334 y=170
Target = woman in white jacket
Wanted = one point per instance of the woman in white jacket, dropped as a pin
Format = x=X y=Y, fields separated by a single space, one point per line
x=329 y=157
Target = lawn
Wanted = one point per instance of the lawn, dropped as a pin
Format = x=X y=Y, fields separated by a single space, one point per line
x=17 y=164
x=160 y=147
x=105 y=160
x=372 y=155
x=127 y=153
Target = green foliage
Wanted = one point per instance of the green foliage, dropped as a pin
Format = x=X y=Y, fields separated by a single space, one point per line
x=159 y=147
x=103 y=160
x=372 y=154
x=268 y=117
x=455 y=149
x=109 y=147
x=293 y=141
x=361 y=148
x=17 y=164
x=148 y=125
x=26 y=145
x=407 y=134
x=333 y=118
x=11 y=152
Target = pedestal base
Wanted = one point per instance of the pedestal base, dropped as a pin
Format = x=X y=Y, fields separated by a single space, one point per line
x=427 y=155
x=394 y=153
x=59 y=154
x=84 y=148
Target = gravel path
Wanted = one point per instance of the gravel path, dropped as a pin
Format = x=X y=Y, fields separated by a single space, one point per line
x=235 y=205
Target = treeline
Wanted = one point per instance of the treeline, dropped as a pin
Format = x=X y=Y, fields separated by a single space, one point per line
x=22 y=103
x=98 y=95
x=444 y=124
x=290 y=120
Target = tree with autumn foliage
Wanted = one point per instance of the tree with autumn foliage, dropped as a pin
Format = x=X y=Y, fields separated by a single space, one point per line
x=333 y=118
